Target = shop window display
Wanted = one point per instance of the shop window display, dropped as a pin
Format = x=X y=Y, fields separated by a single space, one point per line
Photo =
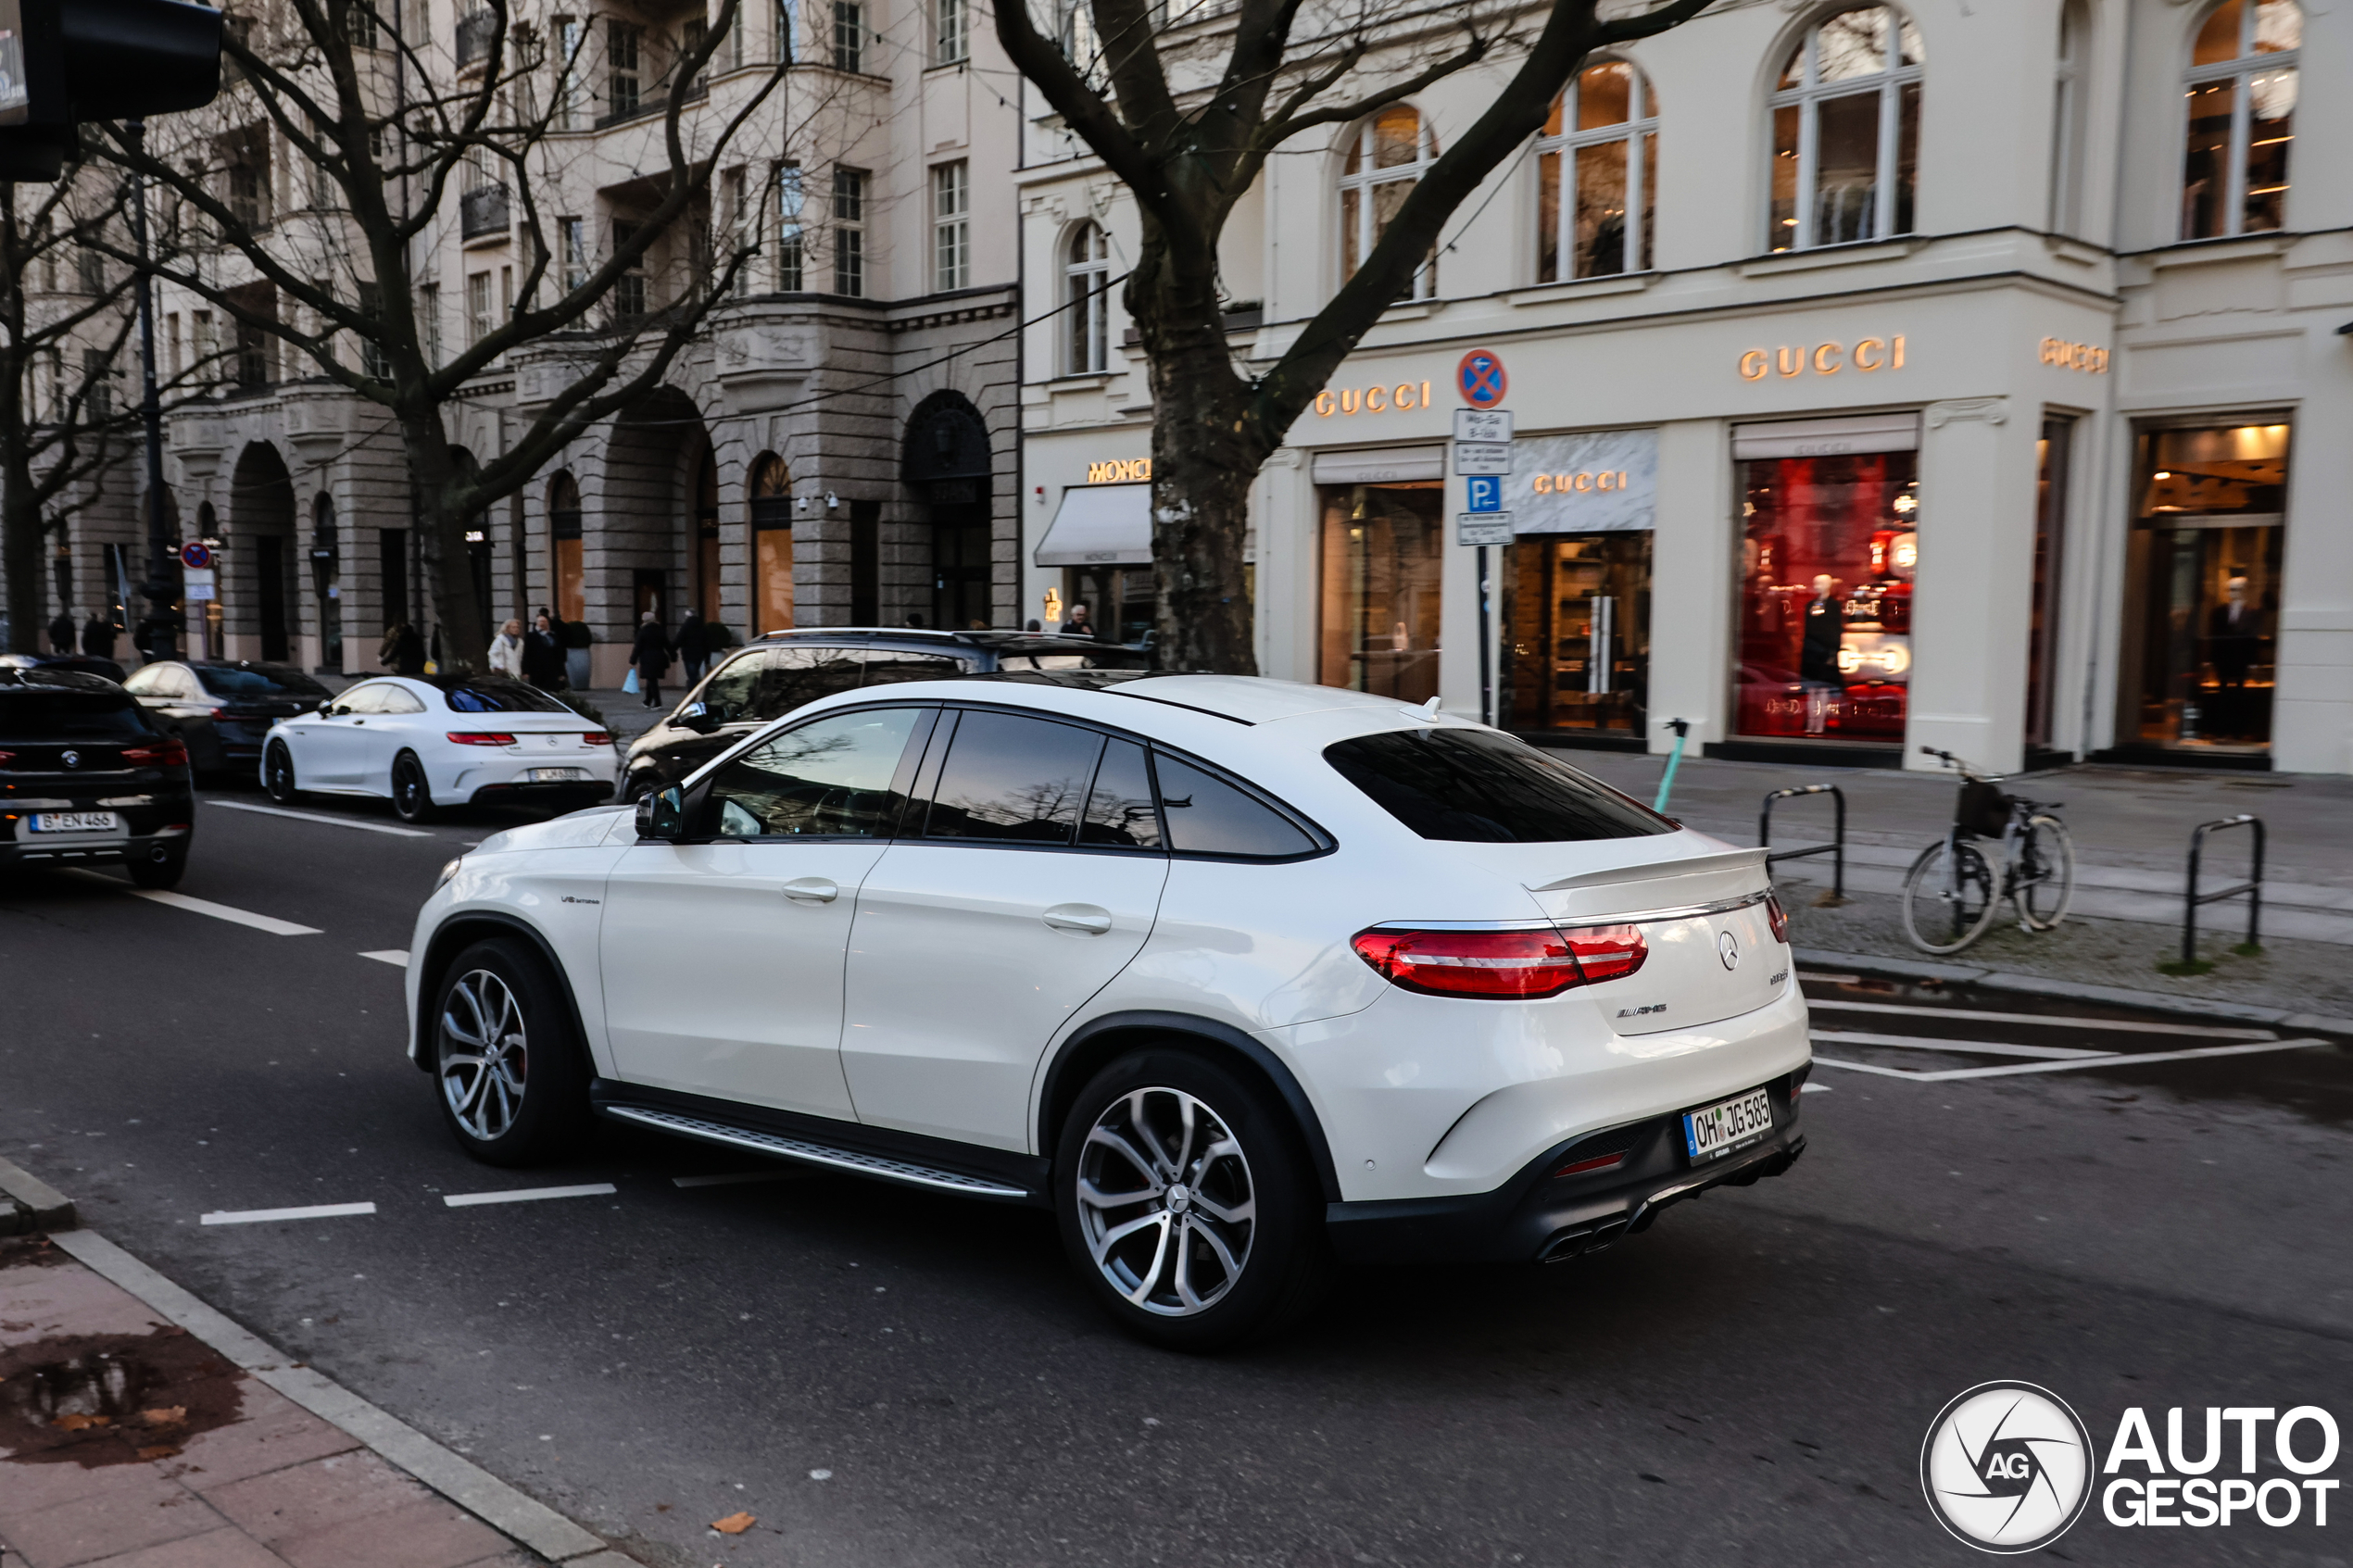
x=1576 y=611
x=1828 y=550
x=1384 y=545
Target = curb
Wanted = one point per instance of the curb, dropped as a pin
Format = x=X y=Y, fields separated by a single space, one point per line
x=28 y=1203
x=2115 y=995
x=533 y=1524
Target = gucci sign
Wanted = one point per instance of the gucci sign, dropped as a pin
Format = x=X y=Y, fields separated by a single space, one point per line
x=1823 y=358
x=1561 y=484
x=2073 y=356
x=1372 y=399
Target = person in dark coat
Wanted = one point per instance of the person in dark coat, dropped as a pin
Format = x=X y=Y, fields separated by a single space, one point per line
x=61 y=632
x=404 y=651
x=543 y=656
x=98 y=637
x=693 y=649
x=651 y=656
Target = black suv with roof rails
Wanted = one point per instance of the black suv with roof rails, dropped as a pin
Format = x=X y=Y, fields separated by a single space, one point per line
x=768 y=678
x=85 y=777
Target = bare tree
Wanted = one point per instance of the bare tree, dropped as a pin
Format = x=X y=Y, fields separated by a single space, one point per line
x=63 y=327
x=394 y=134
x=1189 y=131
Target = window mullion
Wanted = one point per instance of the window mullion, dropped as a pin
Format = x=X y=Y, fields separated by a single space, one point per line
x=2234 y=218
x=1884 y=184
x=1633 y=228
x=1806 y=137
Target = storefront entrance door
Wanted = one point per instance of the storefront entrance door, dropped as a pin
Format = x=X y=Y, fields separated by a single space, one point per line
x=1577 y=614
x=1384 y=548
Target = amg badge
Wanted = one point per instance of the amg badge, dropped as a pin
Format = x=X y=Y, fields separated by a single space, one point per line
x=1642 y=1012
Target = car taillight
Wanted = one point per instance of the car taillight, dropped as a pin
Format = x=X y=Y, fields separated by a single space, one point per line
x=1598 y=1162
x=1777 y=917
x=7 y=758
x=480 y=737
x=595 y=737
x=1508 y=964
x=162 y=754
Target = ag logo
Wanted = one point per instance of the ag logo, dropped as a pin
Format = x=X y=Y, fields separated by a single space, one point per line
x=2006 y=1467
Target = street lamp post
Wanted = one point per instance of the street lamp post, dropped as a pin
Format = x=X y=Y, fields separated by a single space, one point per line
x=158 y=589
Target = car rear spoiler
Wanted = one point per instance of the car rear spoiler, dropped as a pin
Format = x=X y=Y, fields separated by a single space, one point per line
x=1690 y=882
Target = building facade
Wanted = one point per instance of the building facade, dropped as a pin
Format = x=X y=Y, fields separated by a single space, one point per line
x=1943 y=375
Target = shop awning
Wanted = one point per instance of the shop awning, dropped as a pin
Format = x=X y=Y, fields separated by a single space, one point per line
x=1379 y=465
x=1100 y=525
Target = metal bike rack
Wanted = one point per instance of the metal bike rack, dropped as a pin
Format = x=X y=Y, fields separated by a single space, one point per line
x=2252 y=887
x=1835 y=848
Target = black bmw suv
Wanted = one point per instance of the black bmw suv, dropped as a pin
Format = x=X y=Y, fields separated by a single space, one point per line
x=770 y=677
x=85 y=777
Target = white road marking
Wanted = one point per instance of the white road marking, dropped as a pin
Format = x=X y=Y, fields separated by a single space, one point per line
x=2121 y=1059
x=2209 y=1031
x=396 y=957
x=320 y=817
x=311 y=1212
x=1958 y=1047
x=270 y=924
x=738 y=1178
x=527 y=1195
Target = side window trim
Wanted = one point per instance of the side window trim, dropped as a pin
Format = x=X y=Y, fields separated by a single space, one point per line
x=698 y=797
x=1324 y=842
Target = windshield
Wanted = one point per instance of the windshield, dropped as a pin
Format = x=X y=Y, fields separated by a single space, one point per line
x=501 y=697
x=52 y=715
x=1476 y=787
x=256 y=683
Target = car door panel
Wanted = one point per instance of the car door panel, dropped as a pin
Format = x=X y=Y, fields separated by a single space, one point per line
x=1010 y=924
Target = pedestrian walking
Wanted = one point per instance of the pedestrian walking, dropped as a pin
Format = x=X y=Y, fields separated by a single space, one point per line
x=543 y=656
x=650 y=655
x=505 y=650
x=402 y=651
x=97 y=636
x=693 y=644
x=61 y=632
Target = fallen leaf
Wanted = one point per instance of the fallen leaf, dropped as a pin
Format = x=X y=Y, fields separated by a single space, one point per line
x=661 y=1508
x=161 y=1450
x=165 y=1415
x=78 y=1423
x=734 y=1524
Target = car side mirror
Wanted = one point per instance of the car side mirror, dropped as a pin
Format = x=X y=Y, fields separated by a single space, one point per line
x=696 y=717
x=662 y=815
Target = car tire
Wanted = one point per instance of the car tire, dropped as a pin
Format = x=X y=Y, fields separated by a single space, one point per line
x=411 y=790
x=1247 y=1263
x=508 y=1068
x=163 y=870
x=278 y=774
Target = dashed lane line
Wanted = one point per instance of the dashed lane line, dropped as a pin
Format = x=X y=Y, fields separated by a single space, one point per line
x=2209 y=1031
x=396 y=957
x=320 y=817
x=310 y=1211
x=1958 y=1047
x=270 y=924
x=2119 y=1060
x=527 y=1195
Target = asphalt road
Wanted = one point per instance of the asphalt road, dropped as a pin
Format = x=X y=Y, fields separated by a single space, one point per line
x=887 y=1377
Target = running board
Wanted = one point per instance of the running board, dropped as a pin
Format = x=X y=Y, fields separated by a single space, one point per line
x=814 y=1154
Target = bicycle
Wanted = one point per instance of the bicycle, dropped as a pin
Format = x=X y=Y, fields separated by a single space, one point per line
x=1951 y=892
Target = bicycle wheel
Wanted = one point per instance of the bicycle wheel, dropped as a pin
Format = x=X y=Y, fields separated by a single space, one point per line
x=2043 y=882
x=1948 y=897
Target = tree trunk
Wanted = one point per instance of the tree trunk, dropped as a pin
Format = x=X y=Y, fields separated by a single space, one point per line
x=21 y=526
x=1205 y=452
x=465 y=640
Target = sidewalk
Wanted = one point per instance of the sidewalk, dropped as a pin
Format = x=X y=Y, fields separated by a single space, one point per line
x=2132 y=829
x=142 y=1431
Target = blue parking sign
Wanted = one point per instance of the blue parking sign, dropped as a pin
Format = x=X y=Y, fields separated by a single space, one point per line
x=1485 y=493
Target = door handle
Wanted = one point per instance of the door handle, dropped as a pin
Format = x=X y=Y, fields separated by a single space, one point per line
x=1080 y=920
x=813 y=890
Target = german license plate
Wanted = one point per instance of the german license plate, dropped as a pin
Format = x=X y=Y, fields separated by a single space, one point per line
x=1722 y=1128
x=558 y=775
x=76 y=822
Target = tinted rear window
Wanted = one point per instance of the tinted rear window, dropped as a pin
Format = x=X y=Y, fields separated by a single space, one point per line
x=1014 y=780
x=30 y=715
x=257 y=683
x=1208 y=816
x=1476 y=787
x=501 y=697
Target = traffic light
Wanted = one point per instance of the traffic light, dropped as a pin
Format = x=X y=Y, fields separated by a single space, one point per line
x=66 y=61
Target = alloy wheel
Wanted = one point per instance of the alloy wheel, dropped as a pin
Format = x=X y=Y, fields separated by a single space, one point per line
x=485 y=1054
x=410 y=794
x=1165 y=1201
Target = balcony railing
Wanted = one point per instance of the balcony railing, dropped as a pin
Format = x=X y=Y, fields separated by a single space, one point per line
x=696 y=91
x=474 y=32
x=483 y=210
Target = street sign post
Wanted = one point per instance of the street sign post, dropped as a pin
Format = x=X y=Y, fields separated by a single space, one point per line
x=1483 y=528
x=1482 y=458
x=1483 y=493
x=1482 y=424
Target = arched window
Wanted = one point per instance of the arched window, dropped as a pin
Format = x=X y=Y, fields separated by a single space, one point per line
x=1846 y=120
x=2242 y=111
x=1386 y=155
x=1601 y=145
x=563 y=537
x=772 y=606
x=1086 y=290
